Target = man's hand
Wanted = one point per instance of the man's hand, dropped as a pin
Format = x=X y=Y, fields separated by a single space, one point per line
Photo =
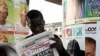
x=57 y=44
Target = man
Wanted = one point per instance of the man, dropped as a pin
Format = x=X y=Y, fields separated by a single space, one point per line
x=36 y=23
x=90 y=47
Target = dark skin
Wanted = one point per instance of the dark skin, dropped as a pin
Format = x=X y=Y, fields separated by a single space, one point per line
x=58 y=42
x=37 y=26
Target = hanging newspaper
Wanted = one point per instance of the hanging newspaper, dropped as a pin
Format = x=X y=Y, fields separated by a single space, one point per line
x=86 y=35
x=38 y=45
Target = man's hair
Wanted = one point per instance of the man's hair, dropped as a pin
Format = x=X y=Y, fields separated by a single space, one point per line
x=90 y=40
x=35 y=14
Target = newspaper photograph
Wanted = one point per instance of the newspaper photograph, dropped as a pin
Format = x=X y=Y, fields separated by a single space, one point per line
x=86 y=36
x=92 y=39
x=38 y=45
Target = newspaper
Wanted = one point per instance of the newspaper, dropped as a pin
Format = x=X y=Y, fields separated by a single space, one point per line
x=87 y=36
x=38 y=45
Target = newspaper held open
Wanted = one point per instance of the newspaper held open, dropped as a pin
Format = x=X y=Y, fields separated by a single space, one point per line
x=37 y=45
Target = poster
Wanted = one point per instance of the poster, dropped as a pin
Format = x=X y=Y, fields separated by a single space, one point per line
x=12 y=19
x=20 y=10
x=92 y=8
x=73 y=9
x=21 y=28
x=38 y=45
x=75 y=32
x=75 y=41
x=6 y=21
x=87 y=36
x=91 y=39
x=6 y=15
x=7 y=34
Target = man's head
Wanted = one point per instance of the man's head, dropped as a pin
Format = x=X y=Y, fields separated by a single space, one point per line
x=3 y=13
x=35 y=21
x=90 y=46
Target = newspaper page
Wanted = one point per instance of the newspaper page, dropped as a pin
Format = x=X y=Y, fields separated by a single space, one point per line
x=92 y=39
x=38 y=45
x=75 y=32
x=87 y=35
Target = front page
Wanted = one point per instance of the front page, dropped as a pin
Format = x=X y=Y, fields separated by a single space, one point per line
x=38 y=45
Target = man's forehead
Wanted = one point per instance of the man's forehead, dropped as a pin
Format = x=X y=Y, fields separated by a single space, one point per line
x=34 y=19
x=90 y=47
x=35 y=22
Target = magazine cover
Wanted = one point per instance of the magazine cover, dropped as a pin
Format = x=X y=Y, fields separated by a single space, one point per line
x=92 y=39
x=6 y=15
x=13 y=20
x=92 y=8
x=74 y=39
x=38 y=45
x=20 y=10
x=21 y=28
x=86 y=36
x=75 y=42
x=73 y=9
x=7 y=34
x=6 y=21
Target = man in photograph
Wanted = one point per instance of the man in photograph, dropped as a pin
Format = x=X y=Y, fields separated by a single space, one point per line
x=90 y=46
